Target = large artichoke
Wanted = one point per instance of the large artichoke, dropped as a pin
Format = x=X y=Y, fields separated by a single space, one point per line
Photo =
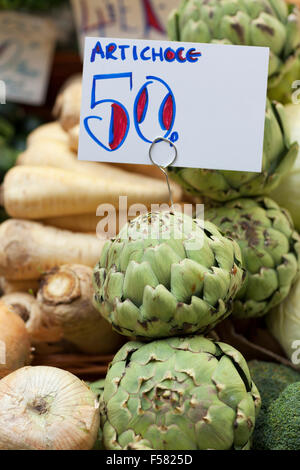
x=269 y=23
x=223 y=185
x=164 y=275
x=270 y=249
x=178 y=394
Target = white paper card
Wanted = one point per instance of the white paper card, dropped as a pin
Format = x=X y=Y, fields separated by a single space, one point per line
x=26 y=48
x=208 y=99
x=138 y=19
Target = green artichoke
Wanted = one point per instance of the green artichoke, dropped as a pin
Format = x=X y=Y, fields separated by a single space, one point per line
x=269 y=23
x=270 y=250
x=223 y=185
x=165 y=275
x=178 y=394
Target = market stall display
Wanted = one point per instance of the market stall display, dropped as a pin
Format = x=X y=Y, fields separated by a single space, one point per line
x=152 y=330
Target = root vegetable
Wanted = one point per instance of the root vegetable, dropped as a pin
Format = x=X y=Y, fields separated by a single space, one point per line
x=28 y=249
x=39 y=326
x=68 y=103
x=65 y=298
x=49 y=131
x=88 y=223
x=15 y=349
x=28 y=286
x=74 y=138
x=38 y=193
x=45 y=408
x=57 y=154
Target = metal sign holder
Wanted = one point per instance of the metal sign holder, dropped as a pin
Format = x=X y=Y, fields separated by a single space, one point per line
x=163 y=167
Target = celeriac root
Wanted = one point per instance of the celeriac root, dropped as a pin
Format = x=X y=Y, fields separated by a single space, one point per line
x=15 y=348
x=28 y=249
x=41 y=192
x=65 y=299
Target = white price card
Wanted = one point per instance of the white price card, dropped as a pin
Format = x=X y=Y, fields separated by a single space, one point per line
x=208 y=99
x=122 y=18
x=26 y=49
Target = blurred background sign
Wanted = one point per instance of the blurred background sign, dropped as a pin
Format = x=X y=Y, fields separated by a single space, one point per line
x=139 y=19
x=26 y=49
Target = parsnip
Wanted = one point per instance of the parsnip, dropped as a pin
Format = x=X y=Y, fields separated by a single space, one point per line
x=40 y=327
x=27 y=286
x=65 y=299
x=28 y=249
x=41 y=192
x=15 y=348
x=49 y=131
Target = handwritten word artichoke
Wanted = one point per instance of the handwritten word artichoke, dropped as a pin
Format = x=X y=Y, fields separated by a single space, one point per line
x=269 y=23
x=178 y=394
x=165 y=275
x=270 y=250
x=223 y=185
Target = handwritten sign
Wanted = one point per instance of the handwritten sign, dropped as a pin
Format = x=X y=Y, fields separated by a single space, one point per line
x=26 y=48
x=208 y=99
x=139 y=19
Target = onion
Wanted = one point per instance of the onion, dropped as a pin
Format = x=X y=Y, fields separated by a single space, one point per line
x=45 y=408
x=287 y=194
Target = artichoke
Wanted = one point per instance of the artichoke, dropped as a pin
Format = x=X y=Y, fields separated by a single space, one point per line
x=165 y=275
x=269 y=23
x=178 y=394
x=223 y=185
x=270 y=250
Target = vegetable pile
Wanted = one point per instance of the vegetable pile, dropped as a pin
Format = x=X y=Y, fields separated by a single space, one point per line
x=151 y=298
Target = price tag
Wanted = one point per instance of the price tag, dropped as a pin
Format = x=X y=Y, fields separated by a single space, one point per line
x=208 y=99
x=26 y=48
x=122 y=18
